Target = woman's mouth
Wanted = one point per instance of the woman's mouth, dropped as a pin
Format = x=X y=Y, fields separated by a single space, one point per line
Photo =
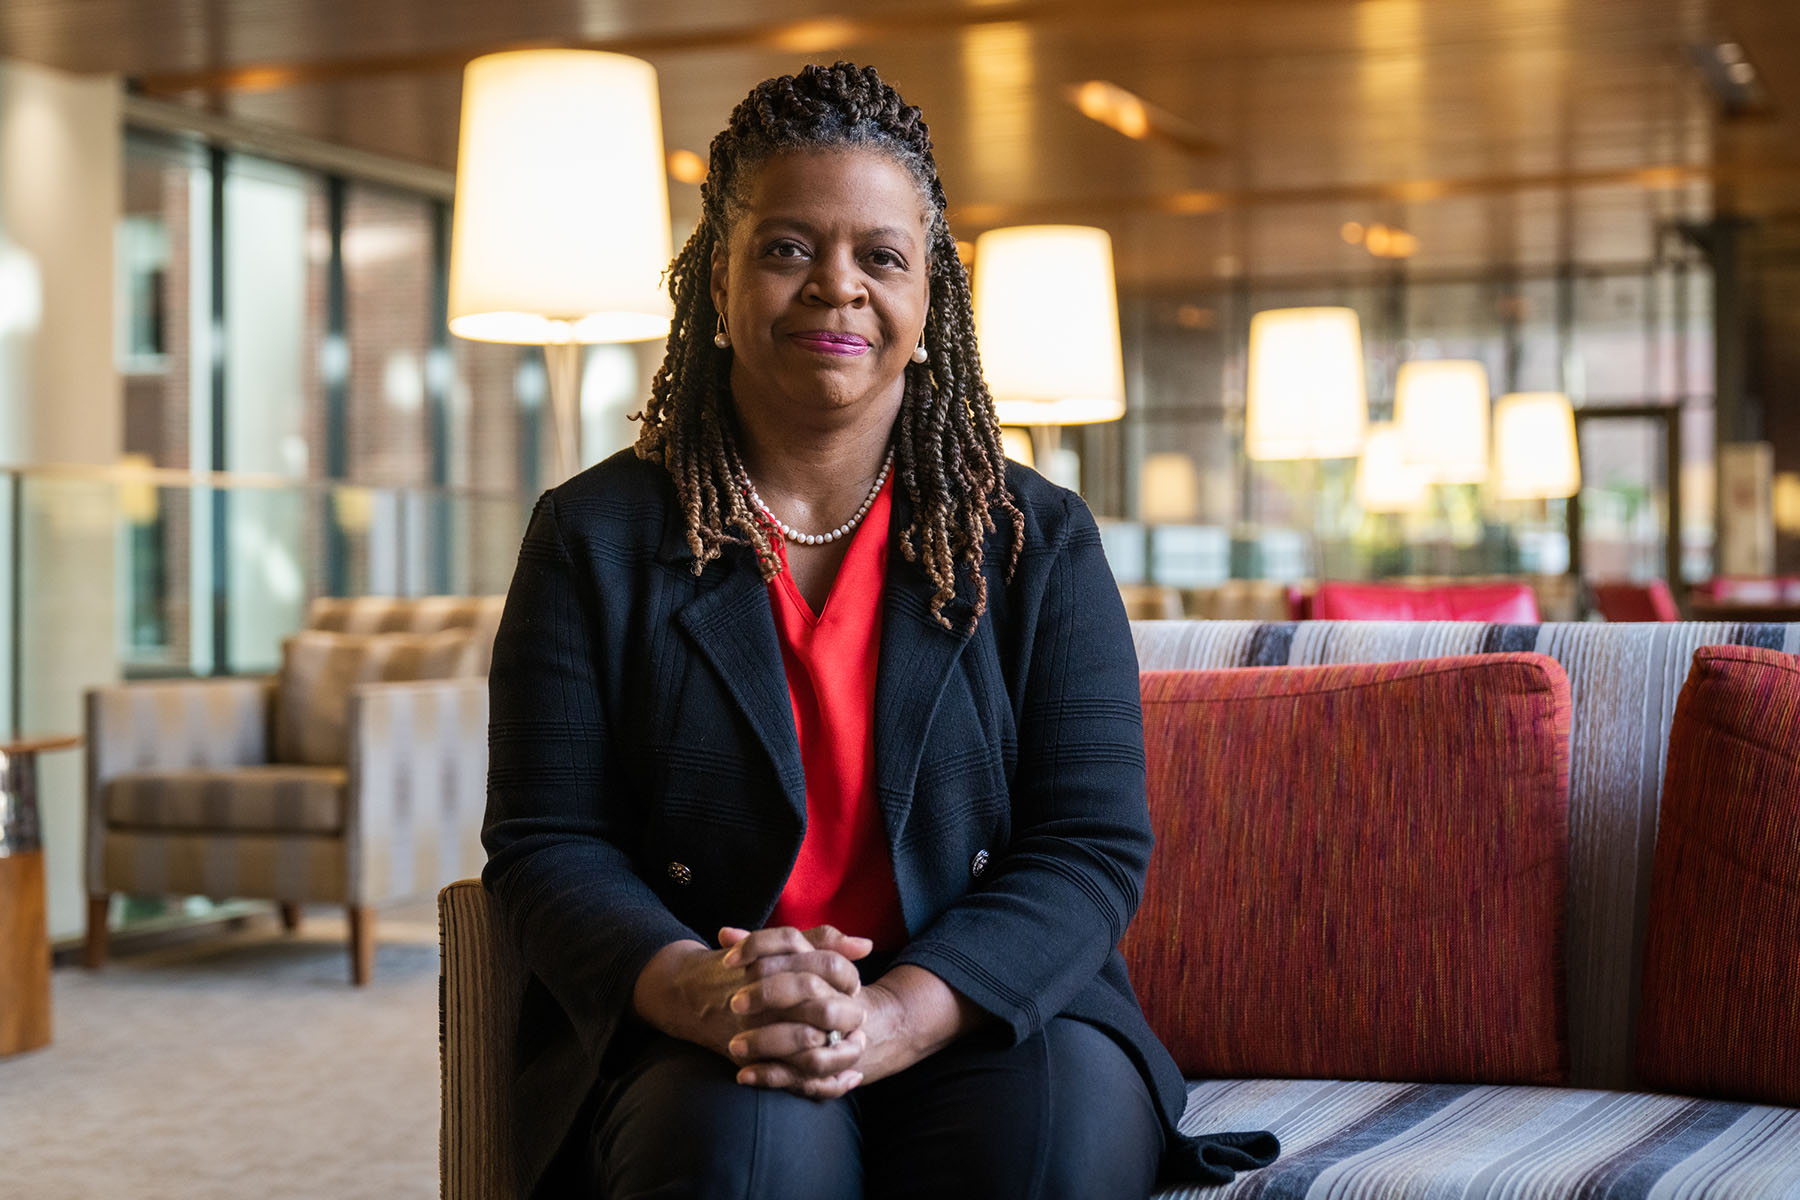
x=823 y=342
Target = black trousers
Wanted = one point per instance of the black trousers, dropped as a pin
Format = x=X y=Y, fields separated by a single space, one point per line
x=1061 y=1116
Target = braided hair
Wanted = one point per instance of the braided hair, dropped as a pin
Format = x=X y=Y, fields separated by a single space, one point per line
x=947 y=439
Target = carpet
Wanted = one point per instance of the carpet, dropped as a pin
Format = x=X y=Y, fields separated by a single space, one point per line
x=238 y=1065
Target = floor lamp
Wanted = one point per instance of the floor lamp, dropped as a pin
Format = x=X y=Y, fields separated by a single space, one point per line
x=1305 y=396
x=1047 y=320
x=561 y=228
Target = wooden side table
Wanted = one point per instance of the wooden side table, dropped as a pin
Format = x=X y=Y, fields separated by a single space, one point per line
x=24 y=936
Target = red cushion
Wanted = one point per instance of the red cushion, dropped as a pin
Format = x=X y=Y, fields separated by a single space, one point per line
x=1721 y=1012
x=1636 y=601
x=1507 y=603
x=1359 y=870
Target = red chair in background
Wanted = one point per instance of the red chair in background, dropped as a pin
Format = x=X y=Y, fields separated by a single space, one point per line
x=1503 y=603
x=1635 y=601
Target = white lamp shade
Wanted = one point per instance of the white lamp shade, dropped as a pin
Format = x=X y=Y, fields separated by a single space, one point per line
x=1535 y=457
x=21 y=290
x=1168 y=489
x=1441 y=410
x=1016 y=443
x=561 y=229
x=1385 y=481
x=1047 y=320
x=1305 y=397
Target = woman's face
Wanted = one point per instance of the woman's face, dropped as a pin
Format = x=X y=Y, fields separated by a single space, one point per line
x=824 y=286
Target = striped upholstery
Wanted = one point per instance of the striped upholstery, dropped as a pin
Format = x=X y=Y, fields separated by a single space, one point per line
x=263 y=799
x=1283 y=796
x=319 y=669
x=411 y=795
x=1350 y=1141
x=418 y=786
x=1721 y=1002
x=480 y=986
x=261 y=866
x=414 y=614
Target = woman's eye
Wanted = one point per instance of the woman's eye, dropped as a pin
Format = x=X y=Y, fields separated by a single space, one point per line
x=786 y=249
x=887 y=258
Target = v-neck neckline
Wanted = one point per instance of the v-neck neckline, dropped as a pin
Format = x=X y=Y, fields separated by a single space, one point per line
x=879 y=513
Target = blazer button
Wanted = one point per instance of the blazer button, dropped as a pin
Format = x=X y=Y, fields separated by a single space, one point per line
x=979 y=863
x=680 y=873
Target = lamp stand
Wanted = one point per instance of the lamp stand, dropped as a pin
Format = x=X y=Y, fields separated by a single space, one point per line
x=562 y=367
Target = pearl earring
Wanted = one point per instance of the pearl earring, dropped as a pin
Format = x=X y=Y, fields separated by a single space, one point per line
x=721 y=339
x=920 y=353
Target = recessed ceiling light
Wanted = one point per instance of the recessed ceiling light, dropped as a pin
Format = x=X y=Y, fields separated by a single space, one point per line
x=1135 y=117
x=1114 y=107
x=686 y=166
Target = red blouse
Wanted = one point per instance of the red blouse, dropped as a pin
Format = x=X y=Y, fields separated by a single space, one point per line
x=844 y=875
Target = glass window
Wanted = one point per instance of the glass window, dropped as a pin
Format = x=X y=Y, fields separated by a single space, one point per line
x=390 y=320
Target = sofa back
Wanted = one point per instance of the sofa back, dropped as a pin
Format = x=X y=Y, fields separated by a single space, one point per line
x=1623 y=683
x=412 y=614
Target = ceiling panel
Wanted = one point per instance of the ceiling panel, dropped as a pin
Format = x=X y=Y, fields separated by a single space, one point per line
x=1452 y=120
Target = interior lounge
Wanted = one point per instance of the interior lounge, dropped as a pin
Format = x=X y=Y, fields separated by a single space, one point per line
x=1395 y=399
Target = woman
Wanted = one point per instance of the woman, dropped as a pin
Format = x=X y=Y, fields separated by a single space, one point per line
x=816 y=791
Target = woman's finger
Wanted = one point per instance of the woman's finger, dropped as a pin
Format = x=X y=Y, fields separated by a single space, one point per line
x=799 y=998
x=805 y=1049
x=829 y=937
x=828 y=965
x=779 y=1075
x=833 y=1088
x=778 y=939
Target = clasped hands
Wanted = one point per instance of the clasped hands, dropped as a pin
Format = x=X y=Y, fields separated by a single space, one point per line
x=769 y=1000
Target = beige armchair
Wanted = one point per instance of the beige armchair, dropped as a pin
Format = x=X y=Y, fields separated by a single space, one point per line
x=255 y=788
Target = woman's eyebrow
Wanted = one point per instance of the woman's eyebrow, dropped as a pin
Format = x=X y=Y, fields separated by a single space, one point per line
x=801 y=225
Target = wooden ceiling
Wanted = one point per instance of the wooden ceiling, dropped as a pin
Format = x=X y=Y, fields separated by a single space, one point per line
x=1496 y=132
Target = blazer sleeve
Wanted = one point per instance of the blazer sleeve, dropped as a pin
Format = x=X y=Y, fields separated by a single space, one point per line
x=1055 y=902
x=584 y=921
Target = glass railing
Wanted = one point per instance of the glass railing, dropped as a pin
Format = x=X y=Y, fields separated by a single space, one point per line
x=121 y=572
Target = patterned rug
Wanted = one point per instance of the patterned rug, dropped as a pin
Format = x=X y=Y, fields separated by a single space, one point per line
x=238 y=1065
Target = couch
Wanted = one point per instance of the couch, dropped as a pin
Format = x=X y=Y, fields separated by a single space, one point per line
x=1595 y=1131
x=246 y=787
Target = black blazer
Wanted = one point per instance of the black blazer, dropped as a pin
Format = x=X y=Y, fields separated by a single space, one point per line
x=645 y=783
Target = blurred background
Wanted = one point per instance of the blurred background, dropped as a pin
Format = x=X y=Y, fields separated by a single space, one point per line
x=227 y=385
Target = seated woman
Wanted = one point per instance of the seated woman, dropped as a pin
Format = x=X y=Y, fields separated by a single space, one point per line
x=816 y=800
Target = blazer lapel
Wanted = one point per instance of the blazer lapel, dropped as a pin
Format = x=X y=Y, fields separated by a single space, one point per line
x=731 y=625
x=917 y=656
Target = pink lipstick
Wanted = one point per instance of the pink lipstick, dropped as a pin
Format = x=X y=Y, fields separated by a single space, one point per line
x=825 y=342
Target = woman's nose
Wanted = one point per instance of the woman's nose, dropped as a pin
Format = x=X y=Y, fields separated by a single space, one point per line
x=835 y=281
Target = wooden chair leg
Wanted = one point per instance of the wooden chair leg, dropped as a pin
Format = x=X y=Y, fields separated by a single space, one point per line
x=93 y=955
x=290 y=915
x=362 y=944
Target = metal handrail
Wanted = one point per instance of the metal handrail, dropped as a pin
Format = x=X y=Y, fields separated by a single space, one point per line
x=177 y=477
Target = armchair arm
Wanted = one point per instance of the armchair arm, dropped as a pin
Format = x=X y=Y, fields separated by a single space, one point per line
x=418 y=786
x=480 y=987
x=169 y=723
x=178 y=723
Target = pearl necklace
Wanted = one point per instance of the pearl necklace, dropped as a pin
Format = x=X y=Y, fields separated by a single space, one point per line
x=817 y=539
